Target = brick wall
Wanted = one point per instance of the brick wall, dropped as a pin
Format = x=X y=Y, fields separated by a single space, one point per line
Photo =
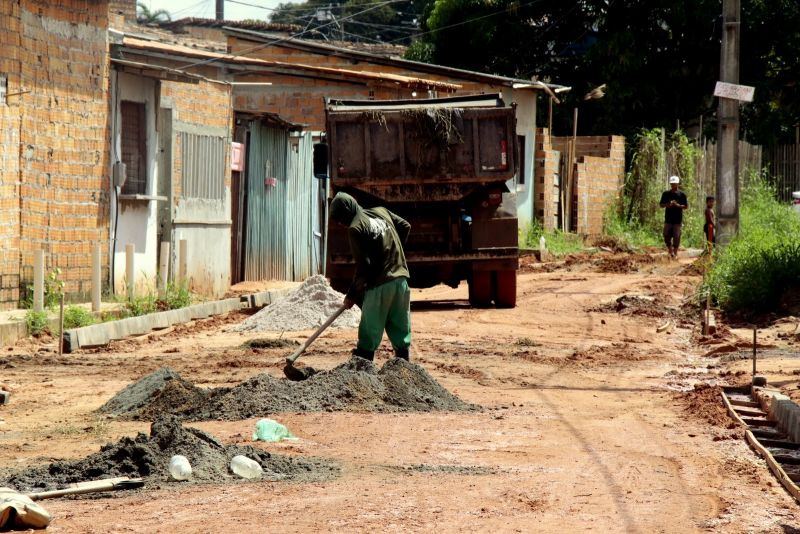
x=301 y=100
x=203 y=104
x=126 y=8
x=54 y=166
x=598 y=176
x=546 y=178
x=10 y=115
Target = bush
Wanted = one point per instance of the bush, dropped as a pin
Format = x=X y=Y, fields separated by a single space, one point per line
x=177 y=296
x=77 y=317
x=36 y=322
x=763 y=261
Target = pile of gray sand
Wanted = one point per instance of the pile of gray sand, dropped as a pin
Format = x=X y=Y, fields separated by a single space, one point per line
x=305 y=308
x=148 y=457
x=357 y=385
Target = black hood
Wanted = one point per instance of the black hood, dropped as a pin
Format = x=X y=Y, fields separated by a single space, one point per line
x=344 y=208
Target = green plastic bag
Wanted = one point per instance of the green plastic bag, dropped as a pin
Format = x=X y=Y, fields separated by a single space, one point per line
x=273 y=431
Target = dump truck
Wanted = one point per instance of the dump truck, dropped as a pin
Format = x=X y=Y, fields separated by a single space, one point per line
x=445 y=166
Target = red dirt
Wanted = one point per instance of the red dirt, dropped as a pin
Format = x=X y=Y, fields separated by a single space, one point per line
x=580 y=430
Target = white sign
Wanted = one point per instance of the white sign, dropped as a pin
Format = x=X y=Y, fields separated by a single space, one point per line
x=735 y=92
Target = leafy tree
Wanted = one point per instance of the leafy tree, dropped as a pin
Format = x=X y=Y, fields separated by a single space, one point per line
x=145 y=16
x=658 y=58
x=356 y=20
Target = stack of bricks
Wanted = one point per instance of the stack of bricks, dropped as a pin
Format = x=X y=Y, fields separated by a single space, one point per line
x=547 y=180
x=54 y=172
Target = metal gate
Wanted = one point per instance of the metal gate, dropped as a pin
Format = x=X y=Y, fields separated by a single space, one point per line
x=281 y=205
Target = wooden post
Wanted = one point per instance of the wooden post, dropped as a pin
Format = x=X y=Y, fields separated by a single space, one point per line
x=571 y=171
x=96 y=283
x=61 y=327
x=38 y=280
x=130 y=277
x=755 y=342
x=163 y=269
x=183 y=261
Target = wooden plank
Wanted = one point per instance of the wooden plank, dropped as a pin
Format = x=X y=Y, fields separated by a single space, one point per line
x=774 y=466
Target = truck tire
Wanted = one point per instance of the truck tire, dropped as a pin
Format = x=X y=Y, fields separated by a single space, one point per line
x=480 y=289
x=505 y=289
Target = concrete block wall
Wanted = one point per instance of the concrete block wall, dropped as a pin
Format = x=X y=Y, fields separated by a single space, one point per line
x=53 y=175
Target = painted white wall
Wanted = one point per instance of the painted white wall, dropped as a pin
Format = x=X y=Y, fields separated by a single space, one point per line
x=526 y=125
x=137 y=221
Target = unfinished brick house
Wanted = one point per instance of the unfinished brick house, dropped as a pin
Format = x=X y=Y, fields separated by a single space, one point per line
x=54 y=192
x=597 y=176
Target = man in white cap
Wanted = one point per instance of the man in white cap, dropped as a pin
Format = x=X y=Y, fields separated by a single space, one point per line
x=674 y=202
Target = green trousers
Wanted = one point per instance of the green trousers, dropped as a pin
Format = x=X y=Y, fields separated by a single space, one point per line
x=386 y=307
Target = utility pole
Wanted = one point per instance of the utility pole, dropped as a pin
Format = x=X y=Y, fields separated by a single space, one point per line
x=728 y=126
x=220 y=9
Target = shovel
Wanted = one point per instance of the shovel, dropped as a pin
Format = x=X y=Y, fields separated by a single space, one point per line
x=91 y=486
x=297 y=375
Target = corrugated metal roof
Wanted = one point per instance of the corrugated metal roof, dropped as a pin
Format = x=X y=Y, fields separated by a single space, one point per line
x=324 y=48
x=133 y=43
x=177 y=25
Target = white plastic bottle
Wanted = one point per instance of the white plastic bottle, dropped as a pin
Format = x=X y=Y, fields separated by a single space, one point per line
x=245 y=467
x=179 y=467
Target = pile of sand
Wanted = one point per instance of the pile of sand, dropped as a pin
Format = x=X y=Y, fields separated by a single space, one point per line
x=305 y=308
x=148 y=457
x=356 y=385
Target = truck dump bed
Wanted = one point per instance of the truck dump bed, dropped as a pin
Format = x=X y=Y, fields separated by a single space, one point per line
x=441 y=164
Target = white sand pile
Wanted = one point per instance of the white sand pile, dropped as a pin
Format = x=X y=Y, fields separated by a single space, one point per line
x=305 y=308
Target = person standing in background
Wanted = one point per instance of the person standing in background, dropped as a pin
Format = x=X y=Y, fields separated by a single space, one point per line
x=673 y=201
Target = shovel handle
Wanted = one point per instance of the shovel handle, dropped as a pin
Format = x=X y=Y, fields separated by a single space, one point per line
x=291 y=359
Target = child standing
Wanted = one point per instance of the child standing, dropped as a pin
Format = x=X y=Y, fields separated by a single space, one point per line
x=709 y=229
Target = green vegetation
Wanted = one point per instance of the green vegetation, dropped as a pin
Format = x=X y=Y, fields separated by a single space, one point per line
x=176 y=296
x=762 y=263
x=53 y=287
x=637 y=219
x=36 y=322
x=558 y=243
x=77 y=317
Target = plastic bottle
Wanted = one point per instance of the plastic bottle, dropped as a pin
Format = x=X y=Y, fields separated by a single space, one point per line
x=179 y=467
x=245 y=467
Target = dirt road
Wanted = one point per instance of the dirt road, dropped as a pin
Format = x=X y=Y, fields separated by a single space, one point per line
x=585 y=426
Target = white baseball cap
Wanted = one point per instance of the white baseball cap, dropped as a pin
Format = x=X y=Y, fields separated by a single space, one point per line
x=674 y=180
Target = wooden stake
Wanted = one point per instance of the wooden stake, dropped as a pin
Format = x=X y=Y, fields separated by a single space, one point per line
x=755 y=342
x=38 y=281
x=61 y=327
x=163 y=269
x=130 y=250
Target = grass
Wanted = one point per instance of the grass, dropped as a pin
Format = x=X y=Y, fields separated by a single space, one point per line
x=762 y=263
x=558 y=243
x=36 y=322
x=77 y=317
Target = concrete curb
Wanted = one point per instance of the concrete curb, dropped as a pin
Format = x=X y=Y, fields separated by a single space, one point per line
x=101 y=334
x=782 y=409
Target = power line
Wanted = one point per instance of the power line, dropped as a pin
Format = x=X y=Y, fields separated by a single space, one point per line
x=509 y=8
x=293 y=36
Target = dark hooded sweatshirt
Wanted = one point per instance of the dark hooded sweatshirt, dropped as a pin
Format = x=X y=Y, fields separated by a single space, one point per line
x=376 y=238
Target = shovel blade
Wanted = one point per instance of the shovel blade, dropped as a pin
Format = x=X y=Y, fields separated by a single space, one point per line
x=298 y=374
